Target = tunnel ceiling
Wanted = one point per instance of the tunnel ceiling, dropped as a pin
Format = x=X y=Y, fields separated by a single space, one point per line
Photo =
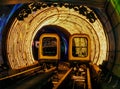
x=91 y=3
x=22 y=32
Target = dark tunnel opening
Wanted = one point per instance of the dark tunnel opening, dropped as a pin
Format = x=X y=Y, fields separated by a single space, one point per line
x=62 y=33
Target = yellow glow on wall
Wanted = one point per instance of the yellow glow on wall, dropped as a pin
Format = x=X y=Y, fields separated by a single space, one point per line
x=21 y=34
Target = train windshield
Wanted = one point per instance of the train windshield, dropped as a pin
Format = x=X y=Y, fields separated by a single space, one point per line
x=49 y=46
x=80 y=47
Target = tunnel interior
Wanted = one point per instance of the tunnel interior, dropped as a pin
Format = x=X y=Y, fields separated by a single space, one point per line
x=99 y=20
x=68 y=21
x=64 y=40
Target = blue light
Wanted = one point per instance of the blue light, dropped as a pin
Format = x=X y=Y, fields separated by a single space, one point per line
x=6 y=17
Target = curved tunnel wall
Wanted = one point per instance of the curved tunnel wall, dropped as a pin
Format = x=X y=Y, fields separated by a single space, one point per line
x=21 y=34
x=113 y=11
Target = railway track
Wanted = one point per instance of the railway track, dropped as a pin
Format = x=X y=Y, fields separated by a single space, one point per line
x=52 y=78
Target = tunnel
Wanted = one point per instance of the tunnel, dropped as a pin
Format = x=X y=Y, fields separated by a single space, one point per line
x=63 y=34
x=23 y=23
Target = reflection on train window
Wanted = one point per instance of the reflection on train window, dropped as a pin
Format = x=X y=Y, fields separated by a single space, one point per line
x=49 y=46
x=80 y=47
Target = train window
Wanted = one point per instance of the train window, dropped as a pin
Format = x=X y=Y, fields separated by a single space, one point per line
x=49 y=46
x=79 y=47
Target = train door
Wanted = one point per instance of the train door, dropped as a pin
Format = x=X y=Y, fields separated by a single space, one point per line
x=49 y=47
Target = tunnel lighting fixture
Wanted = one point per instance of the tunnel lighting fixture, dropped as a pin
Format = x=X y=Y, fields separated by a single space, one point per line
x=33 y=7
x=55 y=4
x=20 y=16
x=66 y=5
x=23 y=13
x=83 y=10
x=27 y=9
x=89 y=14
x=44 y=5
x=76 y=8
x=91 y=17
